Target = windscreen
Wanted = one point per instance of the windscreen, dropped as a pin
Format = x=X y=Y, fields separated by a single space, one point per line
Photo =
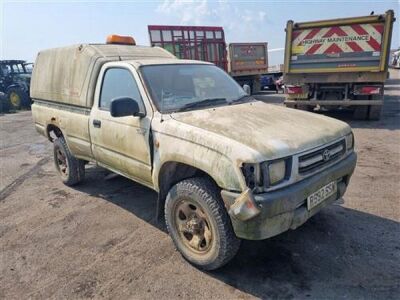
x=176 y=87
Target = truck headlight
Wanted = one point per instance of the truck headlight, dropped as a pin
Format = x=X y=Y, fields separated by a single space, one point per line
x=276 y=171
x=268 y=173
x=349 y=141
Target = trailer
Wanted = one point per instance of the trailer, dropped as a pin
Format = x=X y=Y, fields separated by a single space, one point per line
x=338 y=63
x=245 y=62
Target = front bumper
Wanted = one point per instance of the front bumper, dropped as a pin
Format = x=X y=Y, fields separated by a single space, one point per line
x=284 y=209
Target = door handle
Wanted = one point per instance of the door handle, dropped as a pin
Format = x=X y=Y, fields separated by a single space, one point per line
x=97 y=123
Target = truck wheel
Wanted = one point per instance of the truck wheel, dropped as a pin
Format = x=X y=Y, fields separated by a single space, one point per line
x=199 y=225
x=71 y=169
x=303 y=107
x=290 y=105
x=360 y=112
x=375 y=112
x=4 y=104
x=15 y=97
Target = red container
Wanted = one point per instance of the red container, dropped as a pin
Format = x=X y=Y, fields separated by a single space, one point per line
x=205 y=43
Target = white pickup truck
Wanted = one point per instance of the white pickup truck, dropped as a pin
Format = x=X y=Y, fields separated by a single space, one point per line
x=226 y=166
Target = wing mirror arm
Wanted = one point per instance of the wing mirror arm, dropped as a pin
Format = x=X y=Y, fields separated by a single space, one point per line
x=247 y=89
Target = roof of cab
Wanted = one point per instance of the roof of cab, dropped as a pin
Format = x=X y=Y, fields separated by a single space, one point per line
x=69 y=74
x=135 y=52
x=114 y=51
x=165 y=61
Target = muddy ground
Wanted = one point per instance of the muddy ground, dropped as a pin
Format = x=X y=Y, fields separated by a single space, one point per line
x=100 y=239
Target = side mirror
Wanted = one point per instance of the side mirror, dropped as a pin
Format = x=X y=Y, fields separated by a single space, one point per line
x=125 y=106
x=247 y=89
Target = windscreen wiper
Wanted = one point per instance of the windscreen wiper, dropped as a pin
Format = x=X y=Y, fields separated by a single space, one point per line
x=202 y=103
x=241 y=99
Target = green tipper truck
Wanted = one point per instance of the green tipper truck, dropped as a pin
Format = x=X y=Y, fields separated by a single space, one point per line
x=338 y=63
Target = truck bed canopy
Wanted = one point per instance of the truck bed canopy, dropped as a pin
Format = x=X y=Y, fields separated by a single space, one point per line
x=69 y=74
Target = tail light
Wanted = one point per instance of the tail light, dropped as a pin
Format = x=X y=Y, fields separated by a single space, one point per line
x=367 y=90
x=293 y=89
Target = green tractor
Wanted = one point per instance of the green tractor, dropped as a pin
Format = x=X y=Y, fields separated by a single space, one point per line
x=15 y=78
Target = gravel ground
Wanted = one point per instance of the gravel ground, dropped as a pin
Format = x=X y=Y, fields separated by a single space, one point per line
x=100 y=239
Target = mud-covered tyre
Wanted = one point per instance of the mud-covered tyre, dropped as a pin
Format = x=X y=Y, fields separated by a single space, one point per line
x=199 y=225
x=375 y=112
x=360 y=112
x=16 y=97
x=71 y=169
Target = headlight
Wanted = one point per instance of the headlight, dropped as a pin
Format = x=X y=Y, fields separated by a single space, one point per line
x=349 y=141
x=276 y=171
x=268 y=173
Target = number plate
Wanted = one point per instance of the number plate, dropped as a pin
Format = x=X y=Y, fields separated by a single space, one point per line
x=316 y=198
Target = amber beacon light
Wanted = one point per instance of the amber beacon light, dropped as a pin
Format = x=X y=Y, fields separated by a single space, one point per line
x=120 y=40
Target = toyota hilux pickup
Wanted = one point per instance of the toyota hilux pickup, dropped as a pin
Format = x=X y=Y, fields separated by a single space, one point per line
x=226 y=166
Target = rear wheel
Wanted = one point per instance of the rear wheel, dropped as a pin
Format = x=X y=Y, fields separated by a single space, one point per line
x=18 y=98
x=4 y=104
x=15 y=98
x=290 y=105
x=304 y=107
x=199 y=224
x=71 y=169
x=375 y=112
x=360 y=112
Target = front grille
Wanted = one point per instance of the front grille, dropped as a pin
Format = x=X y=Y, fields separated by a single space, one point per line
x=319 y=158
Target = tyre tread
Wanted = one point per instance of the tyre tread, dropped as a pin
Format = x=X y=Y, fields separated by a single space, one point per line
x=76 y=166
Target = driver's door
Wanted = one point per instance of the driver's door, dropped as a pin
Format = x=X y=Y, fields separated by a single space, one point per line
x=121 y=144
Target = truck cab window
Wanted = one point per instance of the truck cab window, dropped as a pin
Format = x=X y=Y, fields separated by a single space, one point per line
x=118 y=82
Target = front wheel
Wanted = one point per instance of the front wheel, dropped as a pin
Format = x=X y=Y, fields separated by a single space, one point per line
x=199 y=224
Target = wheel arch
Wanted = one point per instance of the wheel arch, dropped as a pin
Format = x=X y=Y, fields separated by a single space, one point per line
x=15 y=86
x=171 y=172
x=53 y=131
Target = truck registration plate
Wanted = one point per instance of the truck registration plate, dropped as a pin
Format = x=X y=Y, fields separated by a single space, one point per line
x=317 y=197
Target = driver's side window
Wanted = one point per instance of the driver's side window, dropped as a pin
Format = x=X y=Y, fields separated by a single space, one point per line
x=119 y=82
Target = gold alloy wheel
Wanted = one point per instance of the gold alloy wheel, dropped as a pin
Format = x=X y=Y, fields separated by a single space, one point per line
x=193 y=226
x=15 y=99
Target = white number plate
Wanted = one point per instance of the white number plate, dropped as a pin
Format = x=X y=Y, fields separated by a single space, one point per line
x=316 y=198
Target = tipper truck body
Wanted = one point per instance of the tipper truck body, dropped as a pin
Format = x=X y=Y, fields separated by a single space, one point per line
x=338 y=63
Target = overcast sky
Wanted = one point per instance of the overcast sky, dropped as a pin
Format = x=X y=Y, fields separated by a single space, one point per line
x=29 y=26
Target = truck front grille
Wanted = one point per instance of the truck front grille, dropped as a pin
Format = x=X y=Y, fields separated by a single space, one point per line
x=317 y=159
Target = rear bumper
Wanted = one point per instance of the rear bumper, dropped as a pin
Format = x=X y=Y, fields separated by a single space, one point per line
x=334 y=102
x=287 y=208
